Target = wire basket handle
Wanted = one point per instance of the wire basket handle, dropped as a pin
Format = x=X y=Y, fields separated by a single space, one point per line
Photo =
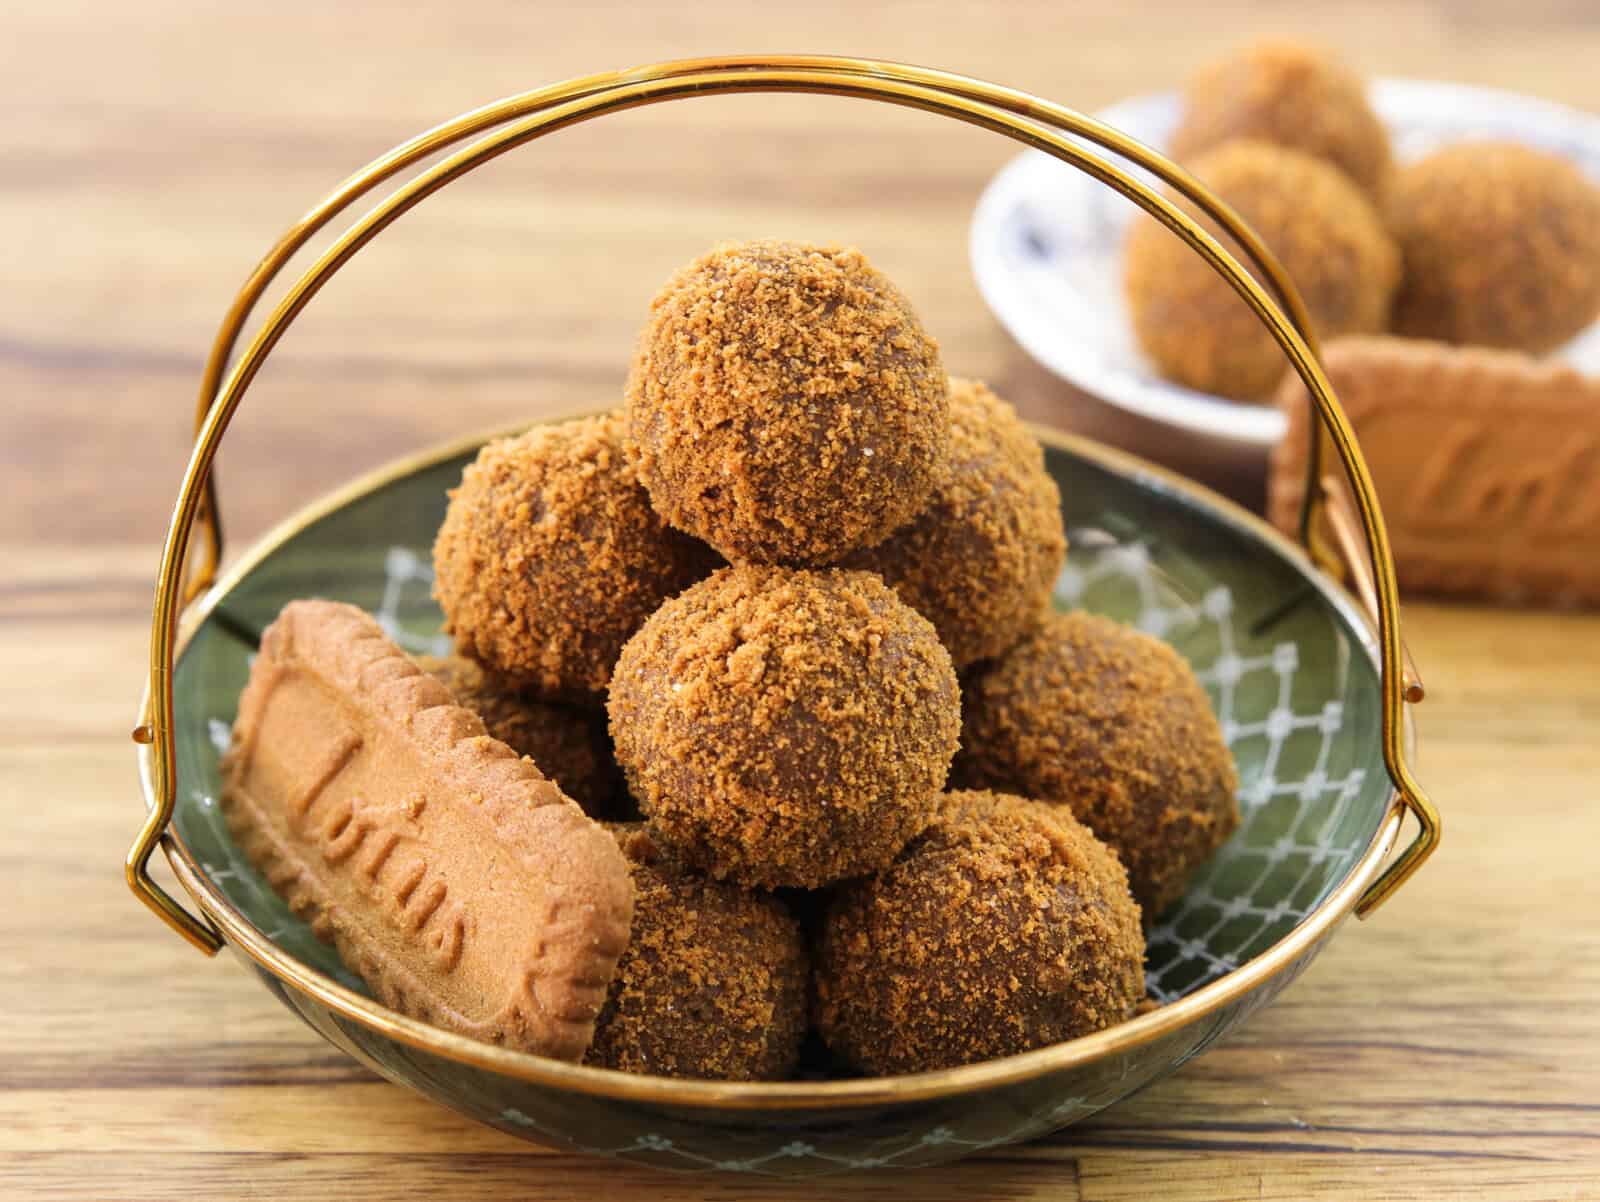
x=1048 y=127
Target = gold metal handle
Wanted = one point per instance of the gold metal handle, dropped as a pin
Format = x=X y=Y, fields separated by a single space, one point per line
x=1353 y=563
x=1023 y=118
x=1346 y=539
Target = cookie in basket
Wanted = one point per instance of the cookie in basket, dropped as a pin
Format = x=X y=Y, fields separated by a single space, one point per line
x=462 y=885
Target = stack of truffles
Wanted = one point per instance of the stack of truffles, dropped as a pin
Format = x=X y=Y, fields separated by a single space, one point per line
x=755 y=624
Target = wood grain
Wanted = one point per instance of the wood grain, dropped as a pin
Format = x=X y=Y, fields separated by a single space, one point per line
x=1448 y=1048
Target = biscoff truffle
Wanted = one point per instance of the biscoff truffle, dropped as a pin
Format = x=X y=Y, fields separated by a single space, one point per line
x=1501 y=245
x=1005 y=926
x=1292 y=95
x=980 y=560
x=550 y=557
x=1324 y=232
x=1112 y=724
x=785 y=726
x=713 y=982
x=570 y=746
x=785 y=404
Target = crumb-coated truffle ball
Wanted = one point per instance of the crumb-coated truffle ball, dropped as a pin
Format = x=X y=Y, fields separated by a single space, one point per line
x=550 y=557
x=1003 y=927
x=570 y=746
x=1501 y=246
x=785 y=404
x=1326 y=234
x=1113 y=724
x=786 y=726
x=1292 y=95
x=980 y=560
x=714 y=980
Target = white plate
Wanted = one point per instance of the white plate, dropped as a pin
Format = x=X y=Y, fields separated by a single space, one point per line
x=1046 y=245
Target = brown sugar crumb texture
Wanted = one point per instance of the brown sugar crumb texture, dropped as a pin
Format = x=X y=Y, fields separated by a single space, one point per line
x=714 y=982
x=785 y=404
x=1291 y=95
x=550 y=556
x=785 y=726
x=570 y=746
x=1005 y=926
x=1326 y=234
x=1501 y=245
x=980 y=560
x=1113 y=724
x=463 y=886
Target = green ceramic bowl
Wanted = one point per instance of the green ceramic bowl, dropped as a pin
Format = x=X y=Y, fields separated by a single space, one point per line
x=1291 y=667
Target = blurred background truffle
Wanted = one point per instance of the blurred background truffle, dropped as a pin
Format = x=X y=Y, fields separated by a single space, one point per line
x=785 y=403
x=1323 y=230
x=1292 y=95
x=1501 y=245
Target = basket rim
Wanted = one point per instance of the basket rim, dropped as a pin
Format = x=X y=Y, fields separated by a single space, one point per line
x=1316 y=926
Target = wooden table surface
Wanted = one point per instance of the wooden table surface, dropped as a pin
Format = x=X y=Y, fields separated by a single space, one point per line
x=1448 y=1048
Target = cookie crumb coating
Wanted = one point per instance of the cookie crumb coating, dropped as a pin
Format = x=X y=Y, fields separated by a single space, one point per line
x=1005 y=926
x=569 y=746
x=785 y=726
x=1501 y=245
x=714 y=980
x=550 y=557
x=1289 y=94
x=1327 y=235
x=979 y=562
x=785 y=404
x=1112 y=724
